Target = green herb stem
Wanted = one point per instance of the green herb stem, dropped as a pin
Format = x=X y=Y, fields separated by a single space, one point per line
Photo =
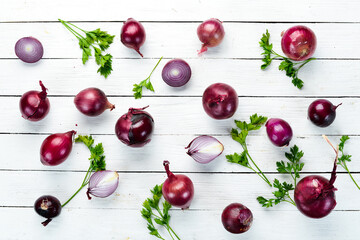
x=82 y=186
x=97 y=162
x=145 y=83
x=347 y=169
x=260 y=173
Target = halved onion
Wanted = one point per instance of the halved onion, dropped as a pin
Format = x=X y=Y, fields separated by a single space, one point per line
x=29 y=49
x=176 y=73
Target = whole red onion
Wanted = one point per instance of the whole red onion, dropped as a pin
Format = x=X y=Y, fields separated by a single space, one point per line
x=35 y=105
x=133 y=35
x=48 y=207
x=237 y=218
x=211 y=32
x=56 y=148
x=220 y=101
x=177 y=189
x=279 y=132
x=315 y=195
x=135 y=127
x=298 y=43
x=322 y=112
x=92 y=102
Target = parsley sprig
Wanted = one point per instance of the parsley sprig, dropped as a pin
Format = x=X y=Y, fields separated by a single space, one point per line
x=290 y=67
x=144 y=83
x=345 y=158
x=292 y=167
x=240 y=134
x=99 y=41
x=162 y=217
x=97 y=161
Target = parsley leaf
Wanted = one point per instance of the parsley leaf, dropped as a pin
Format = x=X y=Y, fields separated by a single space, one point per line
x=293 y=167
x=281 y=195
x=240 y=134
x=290 y=67
x=97 y=159
x=99 y=41
x=162 y=217
x=345 y=158
x=144 y=83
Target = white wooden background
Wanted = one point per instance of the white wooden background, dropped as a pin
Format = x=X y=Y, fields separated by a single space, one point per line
x=179 y=117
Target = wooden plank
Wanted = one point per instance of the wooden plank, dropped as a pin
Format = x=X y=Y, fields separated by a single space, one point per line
x=318 y=154
x=128 y=225
x=212 y=191
x=68 y=77
x=229 y=10
x=241 y=41
x=176 y=116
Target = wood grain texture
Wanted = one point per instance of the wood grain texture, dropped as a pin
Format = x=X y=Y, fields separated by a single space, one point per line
x=321 y=78
x=318 y=154
x=212 y=191
x=187 y=10
x=179 y=116
x=173 y=115
x=128 y=225
x=163 y=39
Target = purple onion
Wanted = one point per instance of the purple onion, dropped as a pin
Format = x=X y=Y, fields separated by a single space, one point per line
x=322 y=112
x=176 y=73
x=135 y=127
x=204 y=149
x=279 y=132
x=29 y=49
x=103 y=183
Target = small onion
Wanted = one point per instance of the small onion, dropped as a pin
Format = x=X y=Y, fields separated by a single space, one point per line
x=237 y=218
x=103 y=183
x=204 y=149
x=177 y=189
x=176 y=73
x=34 y=105
x=29 y=49
x=48 y=207
x=279 y=132
x=56 y=148
x=133 y=35
x=211 y=32
x=92 y=102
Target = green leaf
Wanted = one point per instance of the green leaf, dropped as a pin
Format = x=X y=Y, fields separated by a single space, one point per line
x=343 y=140
x=267 y=47
x=144 y=83
x=99 y=41
x=97 y=159
x=240 y=159
x=162 y=218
